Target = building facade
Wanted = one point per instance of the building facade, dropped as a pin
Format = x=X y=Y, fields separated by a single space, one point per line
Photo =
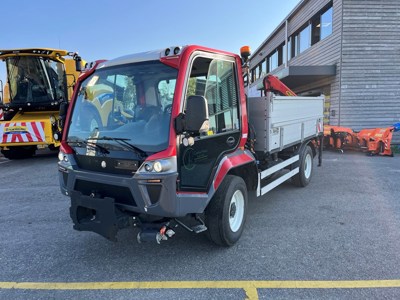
x=348 y=50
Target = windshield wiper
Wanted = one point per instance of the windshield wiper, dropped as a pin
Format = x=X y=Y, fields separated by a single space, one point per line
x=123 y=142
x=102 y=149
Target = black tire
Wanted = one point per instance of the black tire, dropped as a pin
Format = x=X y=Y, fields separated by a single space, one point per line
x=225 y=215
x=19 y=152
x=303 y=178
x=52 y=147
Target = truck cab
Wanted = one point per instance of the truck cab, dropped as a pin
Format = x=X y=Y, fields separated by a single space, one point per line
x=153 y=137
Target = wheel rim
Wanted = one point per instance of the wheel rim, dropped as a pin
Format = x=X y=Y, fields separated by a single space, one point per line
x=307 y=166
x=236 y=211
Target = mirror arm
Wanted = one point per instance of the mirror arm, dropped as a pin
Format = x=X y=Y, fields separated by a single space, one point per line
x=180 y=123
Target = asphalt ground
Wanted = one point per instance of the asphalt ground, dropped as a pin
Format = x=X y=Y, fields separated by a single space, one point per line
x=338 y=238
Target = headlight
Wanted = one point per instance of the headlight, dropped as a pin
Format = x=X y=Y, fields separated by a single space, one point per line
x=165 y=165
x=157 y=166
x=148 y=167
x=62 y=156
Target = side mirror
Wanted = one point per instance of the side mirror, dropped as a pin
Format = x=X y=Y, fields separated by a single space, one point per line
x=78 y=63
x=195 y=116
x=63 y=108
x=63 y=113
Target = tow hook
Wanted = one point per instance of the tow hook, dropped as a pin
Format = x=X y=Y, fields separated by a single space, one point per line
x=151 y=235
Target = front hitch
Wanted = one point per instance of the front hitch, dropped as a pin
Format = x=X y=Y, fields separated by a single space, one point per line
x=91 y=213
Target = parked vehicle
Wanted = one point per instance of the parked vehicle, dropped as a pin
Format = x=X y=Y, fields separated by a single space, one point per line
x=166 y=138
x=38 y=81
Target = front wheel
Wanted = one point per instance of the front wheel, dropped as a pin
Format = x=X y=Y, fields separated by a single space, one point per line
x=303 y=178
x=226 y=213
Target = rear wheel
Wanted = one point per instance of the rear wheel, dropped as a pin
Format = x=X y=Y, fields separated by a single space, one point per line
x=226 y=213
x=303 y=178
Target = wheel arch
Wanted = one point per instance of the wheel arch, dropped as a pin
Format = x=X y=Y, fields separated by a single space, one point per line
x=239 y=163
x=313 y=147
x=248 y=173
x=311 y=142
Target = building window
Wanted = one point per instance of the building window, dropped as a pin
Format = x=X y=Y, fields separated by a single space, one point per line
x=253 y=75
x=280 y=54
x=289 y=49
x=304 y=39
x=295 y=46
x=326 y=23
x=264 y=68
x=321 y=26
x=273 y=61
x=316 y=30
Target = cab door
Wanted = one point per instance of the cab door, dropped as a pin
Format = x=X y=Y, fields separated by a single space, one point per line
x=213 y=77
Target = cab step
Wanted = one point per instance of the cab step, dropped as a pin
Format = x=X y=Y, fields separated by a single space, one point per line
x=195 y=228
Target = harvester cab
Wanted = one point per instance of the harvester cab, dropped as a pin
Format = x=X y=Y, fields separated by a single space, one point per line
x=38 y=81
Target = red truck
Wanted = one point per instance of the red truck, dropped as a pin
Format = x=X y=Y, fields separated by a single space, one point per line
x=169 y=138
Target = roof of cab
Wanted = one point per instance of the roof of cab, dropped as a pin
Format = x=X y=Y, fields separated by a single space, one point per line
x=133 y=58
x=48 y=52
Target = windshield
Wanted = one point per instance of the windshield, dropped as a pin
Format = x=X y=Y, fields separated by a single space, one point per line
x=36 y=80
x=125 y=105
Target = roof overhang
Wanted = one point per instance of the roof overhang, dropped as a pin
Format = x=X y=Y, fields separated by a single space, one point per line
x=56 y=54
x=296 y=76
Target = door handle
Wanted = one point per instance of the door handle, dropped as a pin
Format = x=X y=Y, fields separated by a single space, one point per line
x=230 y=141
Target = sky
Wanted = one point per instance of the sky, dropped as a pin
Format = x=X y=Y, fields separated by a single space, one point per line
x=106 y=29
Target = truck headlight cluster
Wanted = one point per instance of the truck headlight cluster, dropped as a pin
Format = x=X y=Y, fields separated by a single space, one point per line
x=165 y=165
x=62 y=156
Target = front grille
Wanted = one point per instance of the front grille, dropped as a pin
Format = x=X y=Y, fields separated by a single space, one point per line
x=120 y=194
x=107 y=165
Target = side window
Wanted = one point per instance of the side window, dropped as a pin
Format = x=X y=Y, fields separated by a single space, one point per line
x=215 y=80
x=222 y=97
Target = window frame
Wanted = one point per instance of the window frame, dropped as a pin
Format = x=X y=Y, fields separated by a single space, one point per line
x=220 y=57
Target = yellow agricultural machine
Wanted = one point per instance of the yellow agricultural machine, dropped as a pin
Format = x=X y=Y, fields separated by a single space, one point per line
x=39 y=80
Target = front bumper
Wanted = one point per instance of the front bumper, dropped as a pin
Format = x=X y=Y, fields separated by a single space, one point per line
x=103 y=203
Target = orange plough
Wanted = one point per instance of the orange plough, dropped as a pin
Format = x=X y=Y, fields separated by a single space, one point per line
x=375 y=141
x=339 y=138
